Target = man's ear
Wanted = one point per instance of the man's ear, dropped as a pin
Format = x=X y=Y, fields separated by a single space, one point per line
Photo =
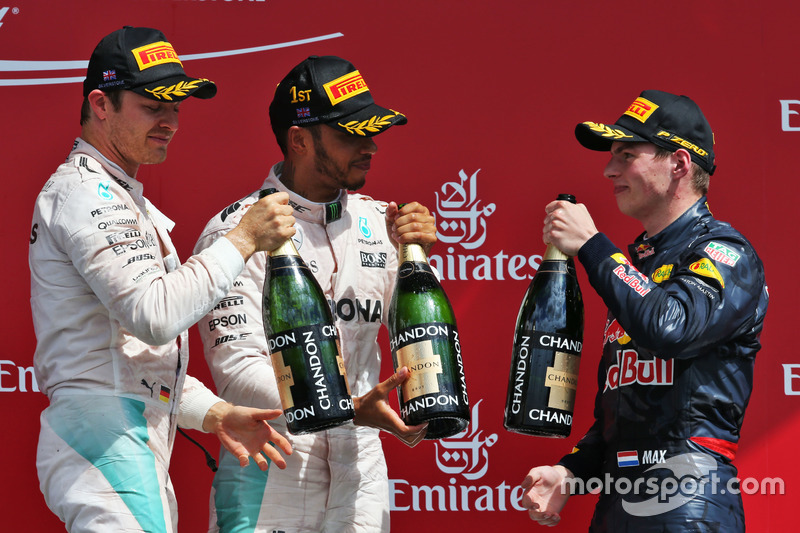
x=99 y=102
x=298 y=140
x=682 y=164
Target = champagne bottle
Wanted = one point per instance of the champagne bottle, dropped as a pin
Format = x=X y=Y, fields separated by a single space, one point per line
x=423 y=337
x=304 y=345
x=547 y=347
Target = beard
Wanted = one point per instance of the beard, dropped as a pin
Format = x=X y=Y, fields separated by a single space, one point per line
x=324 y=164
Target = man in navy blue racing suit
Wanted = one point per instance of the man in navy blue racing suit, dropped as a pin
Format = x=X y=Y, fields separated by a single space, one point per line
x=684 y=318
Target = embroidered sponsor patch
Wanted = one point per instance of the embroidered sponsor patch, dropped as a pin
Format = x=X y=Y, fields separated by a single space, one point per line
x=705 y=267
x=677 y=139
x=615 y=333
x=154 y=54
x=620 y=258
x=662 y=273
x=644 y=250
x=634 y=280
x=373 y=259
x=641 y=109
x=103 y=190
x=722 y=254
x=345 y=87
x=630 y=369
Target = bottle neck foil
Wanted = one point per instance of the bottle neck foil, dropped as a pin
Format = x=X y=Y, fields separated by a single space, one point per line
x=287 y=248
x=554 y=254
x=412 y=252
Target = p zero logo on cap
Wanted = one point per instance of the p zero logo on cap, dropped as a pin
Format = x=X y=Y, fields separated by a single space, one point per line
x=154 y=54
x=682 y=142
x=641 y=109
x=345 y=87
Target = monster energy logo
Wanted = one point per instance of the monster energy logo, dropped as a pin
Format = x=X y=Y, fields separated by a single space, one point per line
x=333 y=211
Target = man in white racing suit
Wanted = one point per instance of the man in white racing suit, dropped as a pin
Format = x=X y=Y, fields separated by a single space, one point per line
x=336 y=480
x=111 y=303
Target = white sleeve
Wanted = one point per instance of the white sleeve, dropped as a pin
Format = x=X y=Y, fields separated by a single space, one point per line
x=196 y=400
x=123 y=267
x=234 y=342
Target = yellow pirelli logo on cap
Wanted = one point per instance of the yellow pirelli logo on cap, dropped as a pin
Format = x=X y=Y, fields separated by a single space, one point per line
x=641 y=109
x=345 y=87
x=155 y=54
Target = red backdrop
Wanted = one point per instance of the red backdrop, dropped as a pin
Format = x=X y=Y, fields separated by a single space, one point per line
x=492 y=91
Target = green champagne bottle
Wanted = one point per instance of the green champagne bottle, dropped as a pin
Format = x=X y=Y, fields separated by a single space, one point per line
x=547 y=345
x=423 y=337
x=304 y=346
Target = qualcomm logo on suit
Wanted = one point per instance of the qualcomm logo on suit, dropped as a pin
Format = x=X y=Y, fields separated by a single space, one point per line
x=464 y=457
x=463 y=228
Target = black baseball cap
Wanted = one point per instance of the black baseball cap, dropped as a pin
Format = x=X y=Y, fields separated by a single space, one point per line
x=143 y=61
x=657 y=117
x=329 y=90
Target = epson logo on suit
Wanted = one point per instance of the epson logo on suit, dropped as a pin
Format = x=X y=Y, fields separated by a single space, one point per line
x=227 y=321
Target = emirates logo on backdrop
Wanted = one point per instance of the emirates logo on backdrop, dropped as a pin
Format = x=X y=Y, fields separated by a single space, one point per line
x=463 y=220
x=466 y=453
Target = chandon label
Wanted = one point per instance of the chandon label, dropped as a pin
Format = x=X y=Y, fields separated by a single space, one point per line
x=555 y=341
x=418 y=347
x=559 y=376
x=297 y=360
x=553 y=417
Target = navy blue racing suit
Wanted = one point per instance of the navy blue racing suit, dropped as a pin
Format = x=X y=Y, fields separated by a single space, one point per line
x=684 y=320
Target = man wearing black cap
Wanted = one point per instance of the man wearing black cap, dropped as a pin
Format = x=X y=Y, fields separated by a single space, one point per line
x=111 y=303
x=684 y=318
x=324 y=119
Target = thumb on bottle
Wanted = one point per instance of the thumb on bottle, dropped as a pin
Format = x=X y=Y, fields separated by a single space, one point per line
x=400 y=377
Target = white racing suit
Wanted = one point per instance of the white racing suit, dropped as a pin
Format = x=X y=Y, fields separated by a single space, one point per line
x=111 y=307
x=336 y=480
